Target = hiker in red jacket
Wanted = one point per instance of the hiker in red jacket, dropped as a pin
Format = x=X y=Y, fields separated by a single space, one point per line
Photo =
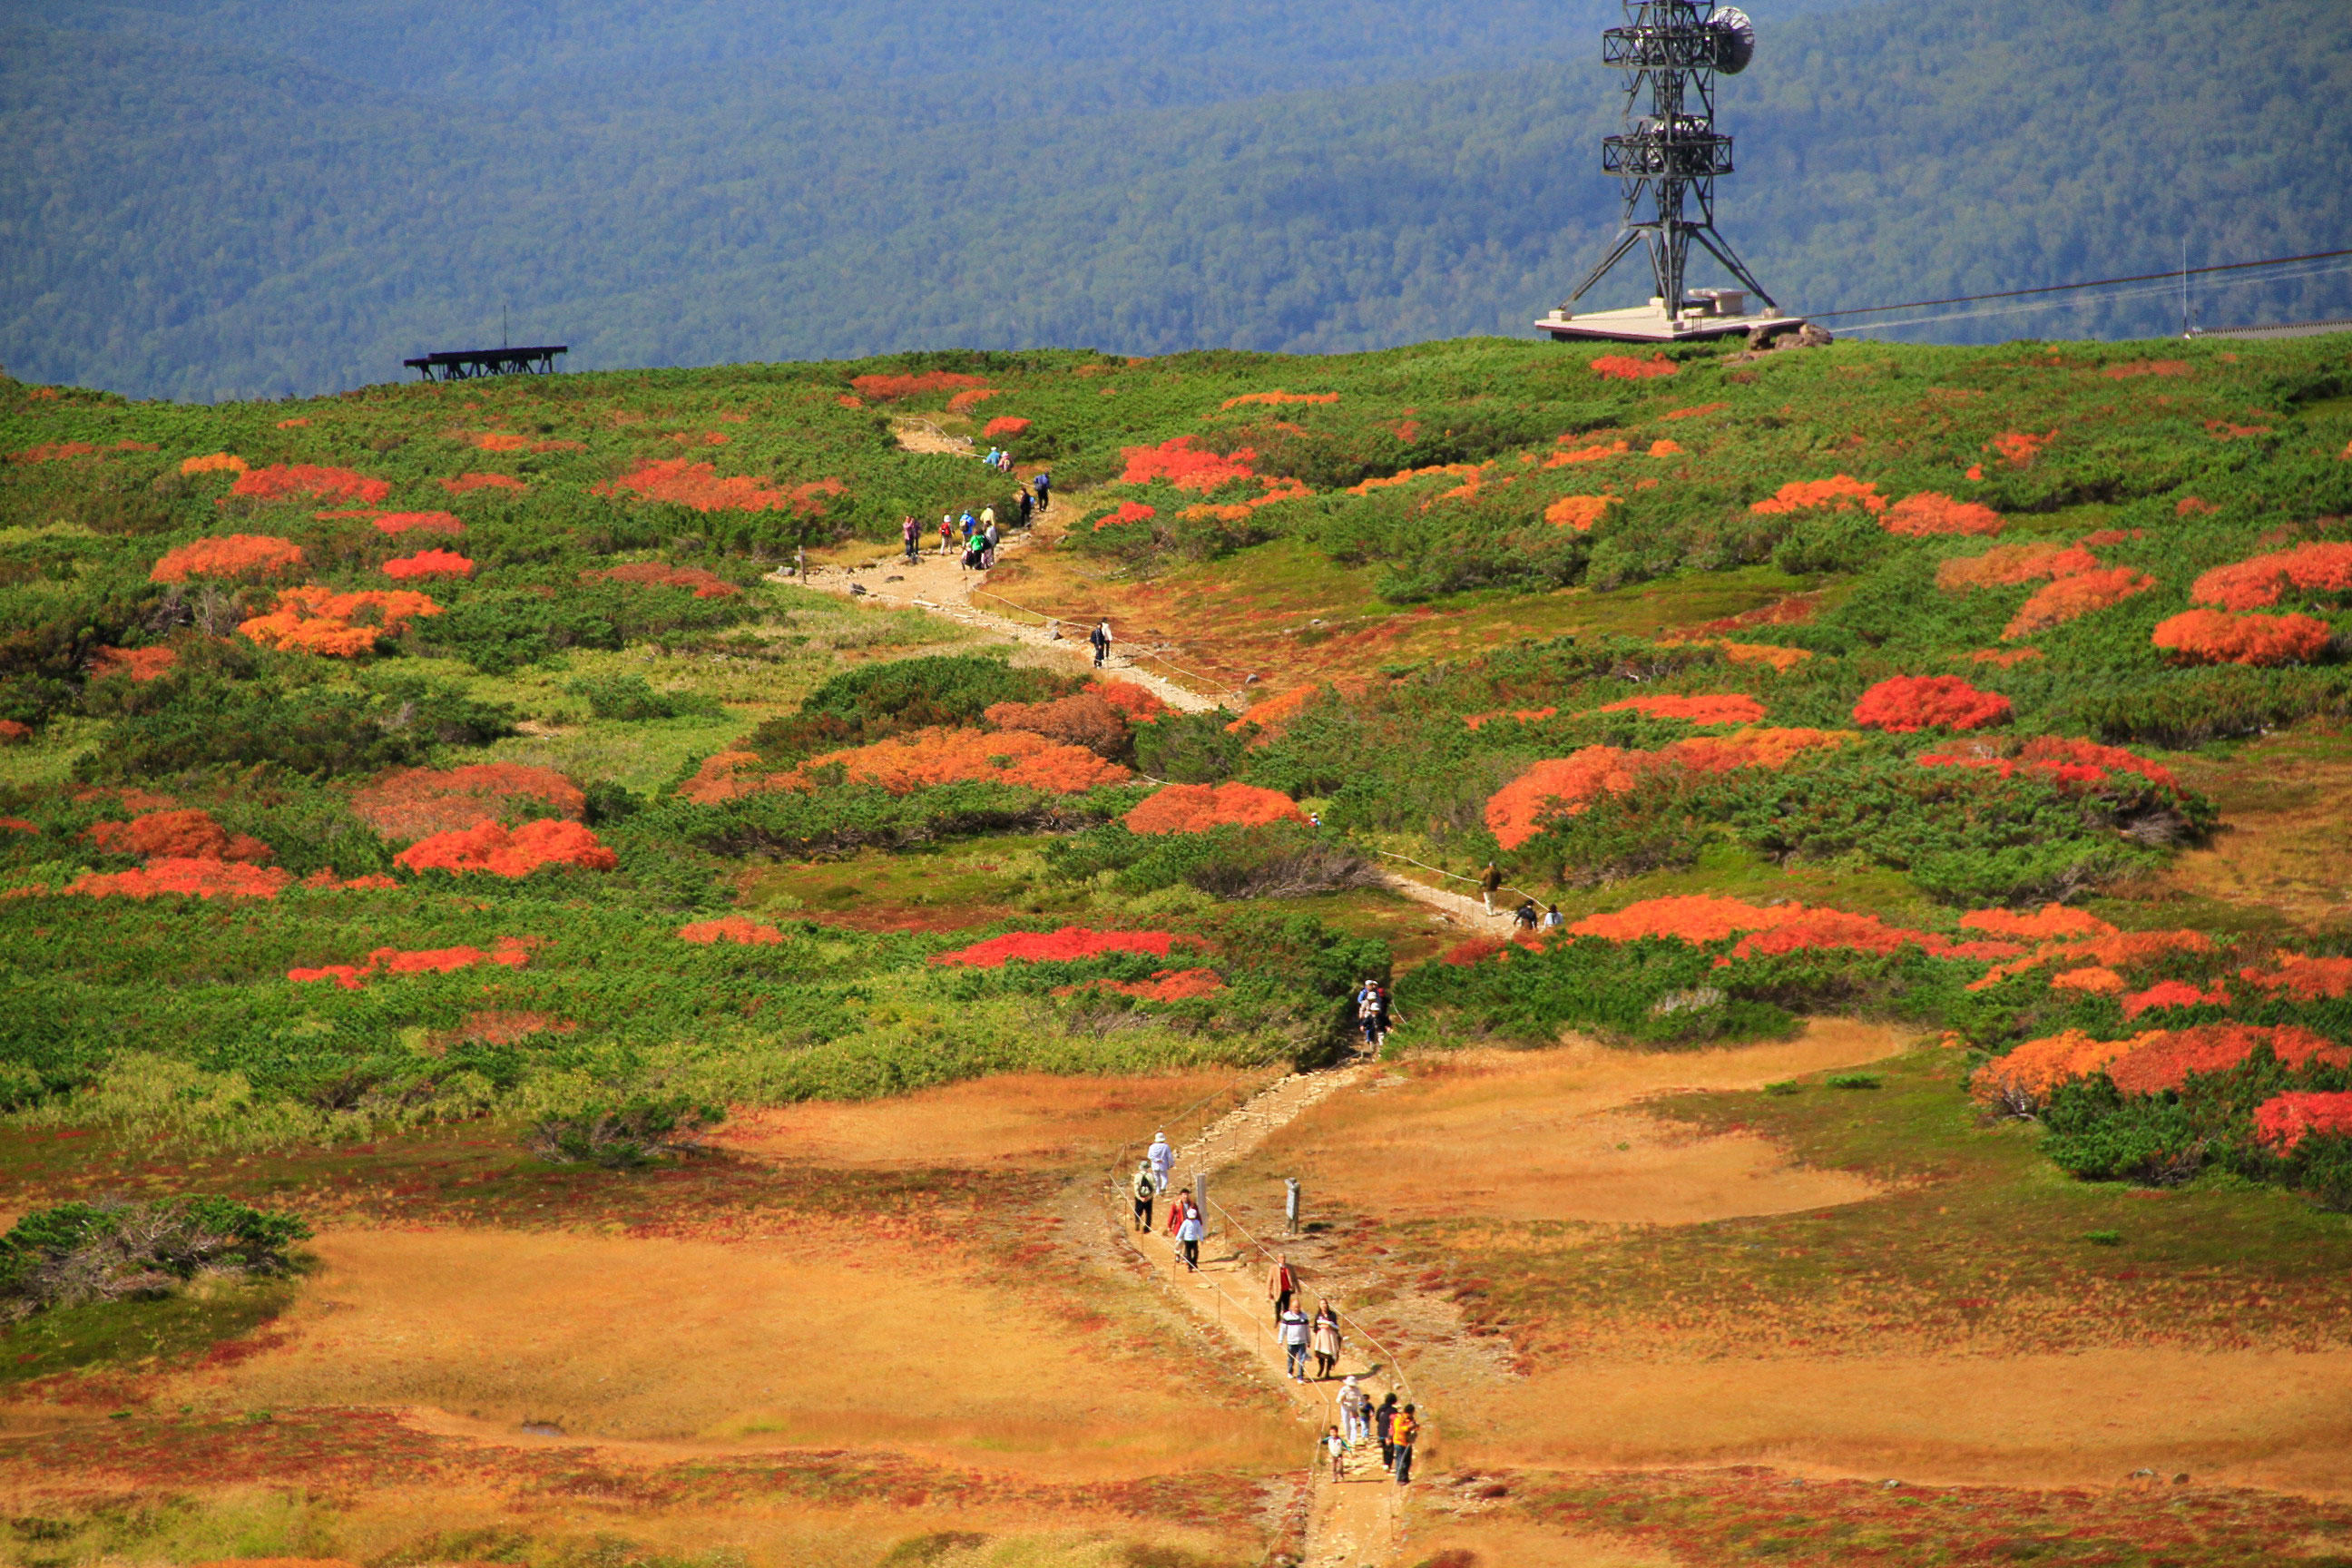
x=1281 y=1284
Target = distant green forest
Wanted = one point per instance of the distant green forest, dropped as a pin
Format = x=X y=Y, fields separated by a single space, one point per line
x=211 y=199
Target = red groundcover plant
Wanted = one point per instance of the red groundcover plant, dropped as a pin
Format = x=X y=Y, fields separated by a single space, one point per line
x=1700 y=919
x=314 y=619
x=140 y=664
x=653 y=574
x=730 y=928
x=2007 y=565
x=1067 y=945
x=2303 y=977
x=308 y=481
x=1723 y=707
x=1560 y=786
x=1906 y=704
x=1196 y=808
x=2169 y=1056
x=2216 y=636
x=2072 y=597
x=2282 y=1121
x=2023 y=1082
x=487 y=846
x=190 y=878
x=184 y=835
x=938 y=756
x=230 y=555
x=889 y=388
x=1004 y=425
x=1184 y=465
x=1930 y=514
x=1839 y=492
x=428 y=564
x=2061 y=759
x=2171 y=993
x=1165 y=986
x=511 y=952
x=1137 y=704
x=1625 y=367
x=462 y=484
x=399 y=523
x=1124 y=512
x=2259 y=583
x=412 y=802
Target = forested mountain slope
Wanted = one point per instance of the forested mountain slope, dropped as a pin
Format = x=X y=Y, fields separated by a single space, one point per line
x=207 y=198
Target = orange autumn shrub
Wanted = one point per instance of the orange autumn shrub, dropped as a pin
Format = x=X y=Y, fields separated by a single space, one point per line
x=2282 y=1121
x=1523 y=715
x=730 y=928
x=228 y=555
x=2094 y=979
x=2048 y=923
x=2258 y=583
x=1196 y=808
x=464 y=484
x=415 y=803
x=1068 y=945
x=2095 y=958
x=184 y=835
x=965 y=402
x=1165 y=986
x=2020 y=448
x=54 y=452
x=2005 y=658
x=287 y=481
x=1839 y=492
x=2070 y=598
x=508 y=952
x=1137 y=704
x=653 y=574
x=891 y=388
x=1578 y=512
x=695 y=485
x=2170 y=1056
x=1664 y=448
x=1561 y=787
x=1127 y=511
x=1696 y=918
x=2059 y=759
x=142 y=664
x=1082 y=719
x=2007 y=565
x=1726 y=708
x=1625 y=367
x=18 y=824
x=2172 y=993
x=1906 y=704
x=196 y=879
x=13 y=731
x=488 y=846
x=2217 y=637
x=217 y=463
x=314 y=619
x=428 y=564
x=1004 y=425
x=1568 y=457
x=399 y=523
x=1748 y=748
x=1930 y=514
x=1407 y=476
x=728 y=775
x=1279 y=396
x=923 y=758
x=1273 y=714
x=1184 y=466
x=2021 y=1082
x=2303 y=977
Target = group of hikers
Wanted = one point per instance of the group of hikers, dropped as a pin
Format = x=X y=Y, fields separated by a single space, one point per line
x=1373 y=1015
x=977 y=532
x=1319 y=1339
x=1526 y=916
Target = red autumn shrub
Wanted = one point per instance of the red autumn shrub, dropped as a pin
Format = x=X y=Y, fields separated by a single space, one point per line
x=415 y=803
x=2050 y=922
x=1273 y=714
x=488 y=846
x=1004 y=425
x=1566 y=458
x=890 y=388
x=2096 y=979
x=54 y=452
x=2072 y=597
x=730 y=928
x=228 y=555
x=1081 y=720
x=1124 y=512
x=2005 y=658
x=2282 y=1121
x=2303 y=977
x=1196 y=808
x=1931 y=512
x=2020 y=448
x=1578 y=512
x=1815 y=930
x=2007 y=565
x=2216 y=636
x=2258 y=583
x=1277 y=398
x=1750 y=748
x=695 y=485
x=1140 y=704
x=1179 y=463
x=725 y=776
x=653 y=574
x=1625 y=367
x=1477 y=950
x=1069 y=944
x=217 y=463
x=2170 y=1056
x=923 y=758
x=2059 y=759
x=1523 y=715
x=140 y=664
x=400 y=522
x=1721 y=707
x=463 y=484
x=314 y=619
x=428 y=564
x=1906 y=704
x=965 y=402
x=14 y=731
x=510 y=952
x=1165 y=986
x=191 y=878
x=287 y=481
x=2023 y=1080
x=189 y=835
x=1839 y=492
x=2172 y=993
x=1561 y=787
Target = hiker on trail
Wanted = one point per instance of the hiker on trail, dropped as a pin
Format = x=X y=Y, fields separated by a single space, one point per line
x=1044 y=486
x=1161 y=1158
x=1553 y=919
x=988 y=521
x=1384 y=1429
x=1189 y=1233
x=988 y=535
x=1355 y=1411
x=1100 y=638
x=1336 y=1446
x=1490 y=882
x=947 y=532
x=910 y=534
x=1403 y=1431
x=1146 y=1187
x=1325 y=1341
x=1294 y=1332
x=973 y=557
x=1368 y=1013
x=968 y=524
x=1028 y=504
x=992 y=454
x=1525 y=915
x=1281 y=1284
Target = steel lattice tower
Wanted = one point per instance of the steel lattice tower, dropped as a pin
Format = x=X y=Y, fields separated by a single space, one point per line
x=1670 y=153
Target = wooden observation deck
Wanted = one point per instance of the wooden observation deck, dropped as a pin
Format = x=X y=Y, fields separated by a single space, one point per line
x=465 y=364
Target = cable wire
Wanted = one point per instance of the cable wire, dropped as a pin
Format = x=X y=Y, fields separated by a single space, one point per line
x=2173 y=276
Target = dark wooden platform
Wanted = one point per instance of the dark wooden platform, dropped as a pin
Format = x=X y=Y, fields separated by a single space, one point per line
x=464 y=364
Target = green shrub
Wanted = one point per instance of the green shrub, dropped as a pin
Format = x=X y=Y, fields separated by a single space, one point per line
x=626 y=699
x=320 y=732
x=1191 y=748
x=81 y=1252
x=879 y=700
x=1851 y=1081
x=1278 y=861
x=632 y=1133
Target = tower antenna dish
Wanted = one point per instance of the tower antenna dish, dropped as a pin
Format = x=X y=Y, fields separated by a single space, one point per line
x=1668 y=158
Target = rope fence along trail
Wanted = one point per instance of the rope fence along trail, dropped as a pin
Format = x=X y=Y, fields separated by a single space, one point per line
x=1214 y=682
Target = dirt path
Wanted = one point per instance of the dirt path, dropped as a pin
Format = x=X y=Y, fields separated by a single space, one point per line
x=1352 y=1522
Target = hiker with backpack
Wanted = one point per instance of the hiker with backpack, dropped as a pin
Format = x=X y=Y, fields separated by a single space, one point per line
x=1355 y=1411
x=1027 y=503
x=1044 y=486
x=1100 y=638
x=947 y=532
x=1146 y=1188
x=1384 y=1429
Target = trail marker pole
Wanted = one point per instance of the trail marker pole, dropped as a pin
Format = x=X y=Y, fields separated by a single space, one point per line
x=1290 y=1203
